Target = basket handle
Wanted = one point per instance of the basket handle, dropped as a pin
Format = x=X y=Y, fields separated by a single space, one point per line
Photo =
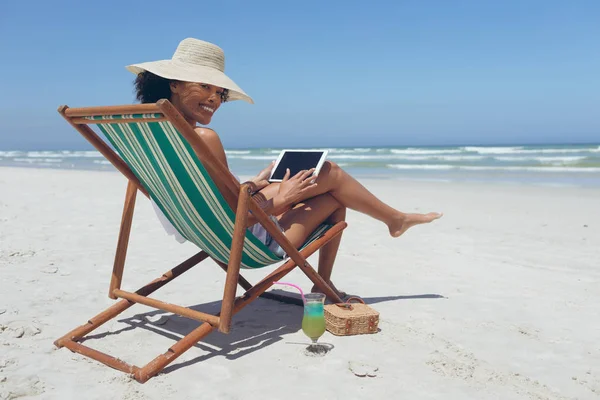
x=347 y=304
x=358 y=300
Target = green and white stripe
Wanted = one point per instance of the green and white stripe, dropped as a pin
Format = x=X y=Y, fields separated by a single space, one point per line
x=179 y=184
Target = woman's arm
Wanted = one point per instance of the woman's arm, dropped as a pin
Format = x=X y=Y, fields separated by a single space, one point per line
x=270 y=206
x=211 y=138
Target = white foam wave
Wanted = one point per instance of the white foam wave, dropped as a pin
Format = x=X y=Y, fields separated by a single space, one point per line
x=491 y=150
x=102 y=162
x=407 y=157
x=63 y=154
x=360 y=157
x=425 y=151
x=458 y=158
x=521 y=150
x=228 y=152
x=87 y=154
x=38 y=160
x=543 y=160
x=12 y=153
x=355 y=150
x=44 y=154
x=255 y=157
x=420 y=166
x=489 y=168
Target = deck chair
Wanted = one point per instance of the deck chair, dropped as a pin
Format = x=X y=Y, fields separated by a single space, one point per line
x=164 y=159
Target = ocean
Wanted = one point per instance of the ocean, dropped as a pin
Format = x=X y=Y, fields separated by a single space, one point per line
x=569 y=165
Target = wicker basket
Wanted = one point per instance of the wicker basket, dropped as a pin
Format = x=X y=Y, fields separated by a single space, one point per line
x=349 y=318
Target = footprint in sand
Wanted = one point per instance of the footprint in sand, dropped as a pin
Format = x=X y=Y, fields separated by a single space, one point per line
x=49 y=270
x=362 y=370
x=21 y=387
x=22 y=254
x=590 y=381
x=19 y=329
x=6 y=363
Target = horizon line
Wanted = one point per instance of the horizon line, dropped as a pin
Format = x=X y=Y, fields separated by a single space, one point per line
x=82 y=148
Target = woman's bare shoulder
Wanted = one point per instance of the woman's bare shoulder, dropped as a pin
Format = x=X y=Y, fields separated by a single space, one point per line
x=209 y=136
x=206 y=132
x=212 y=139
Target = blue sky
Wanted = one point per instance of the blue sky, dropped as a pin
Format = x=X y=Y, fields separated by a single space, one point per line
x=332 y=73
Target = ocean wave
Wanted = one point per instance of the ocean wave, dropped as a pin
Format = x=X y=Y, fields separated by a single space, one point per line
x=45 y=154
x=521 y=150
x=11 y=153
x=255 y=158
x=490 y=168
x=355 y=150
x=543 y=160
x=228 y=152
x=38 y=160
x=420 y=166
x=425 y=151
x=491 y=150
x=407 y=157
x=63 y=154
x=360 y=157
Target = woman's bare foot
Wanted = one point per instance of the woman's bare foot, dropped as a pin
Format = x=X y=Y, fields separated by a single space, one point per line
x=401 y=224
x=338 y=292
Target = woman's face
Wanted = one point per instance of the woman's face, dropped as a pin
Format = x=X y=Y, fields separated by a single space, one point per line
x=196 y=101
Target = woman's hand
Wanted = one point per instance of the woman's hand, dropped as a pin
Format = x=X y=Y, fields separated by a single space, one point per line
x=262 y=179
x=293 y=190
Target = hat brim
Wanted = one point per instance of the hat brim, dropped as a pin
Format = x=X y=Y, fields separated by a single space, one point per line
x=192 y=73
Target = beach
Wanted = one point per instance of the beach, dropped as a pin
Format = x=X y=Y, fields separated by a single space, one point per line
x=497 y=300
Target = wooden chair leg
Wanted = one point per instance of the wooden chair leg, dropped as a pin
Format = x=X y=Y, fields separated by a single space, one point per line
x=160 y=362
x=123 y=242
x=235 y=259
x=116 y=309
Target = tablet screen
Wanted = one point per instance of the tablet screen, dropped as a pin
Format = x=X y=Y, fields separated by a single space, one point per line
x=296 y=161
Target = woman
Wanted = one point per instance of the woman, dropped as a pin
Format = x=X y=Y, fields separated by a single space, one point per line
x=195 y=83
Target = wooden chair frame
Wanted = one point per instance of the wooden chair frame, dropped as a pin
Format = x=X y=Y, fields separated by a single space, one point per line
x=239 y=198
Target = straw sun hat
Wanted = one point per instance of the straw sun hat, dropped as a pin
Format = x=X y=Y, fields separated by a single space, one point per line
x=195 y=61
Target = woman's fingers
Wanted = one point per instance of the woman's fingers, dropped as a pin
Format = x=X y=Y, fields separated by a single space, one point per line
x=308 y=187
x=307 y=177
x=302 y=175
x=299 y=175
x=287 y=175
x=307 y=173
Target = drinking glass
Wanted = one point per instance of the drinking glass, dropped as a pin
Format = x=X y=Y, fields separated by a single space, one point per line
x=313 y=322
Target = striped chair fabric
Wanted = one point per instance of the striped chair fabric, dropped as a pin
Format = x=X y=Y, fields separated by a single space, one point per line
x=176 y=180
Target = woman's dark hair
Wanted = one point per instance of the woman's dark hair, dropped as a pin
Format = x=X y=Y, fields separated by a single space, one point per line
x=150 y=88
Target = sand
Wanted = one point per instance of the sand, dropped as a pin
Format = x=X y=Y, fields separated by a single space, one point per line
x=498 y=300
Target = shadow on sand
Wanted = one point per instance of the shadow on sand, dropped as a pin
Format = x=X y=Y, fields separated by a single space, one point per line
x=261 y=323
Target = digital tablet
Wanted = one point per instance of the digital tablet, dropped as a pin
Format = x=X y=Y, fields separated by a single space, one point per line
x=296 y=161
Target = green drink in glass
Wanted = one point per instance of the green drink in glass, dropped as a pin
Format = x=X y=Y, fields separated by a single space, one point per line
x=313 y=322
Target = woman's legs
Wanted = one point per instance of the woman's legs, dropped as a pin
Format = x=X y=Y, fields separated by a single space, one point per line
x=351 y=194
x=302 y=220
x=328 y=252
